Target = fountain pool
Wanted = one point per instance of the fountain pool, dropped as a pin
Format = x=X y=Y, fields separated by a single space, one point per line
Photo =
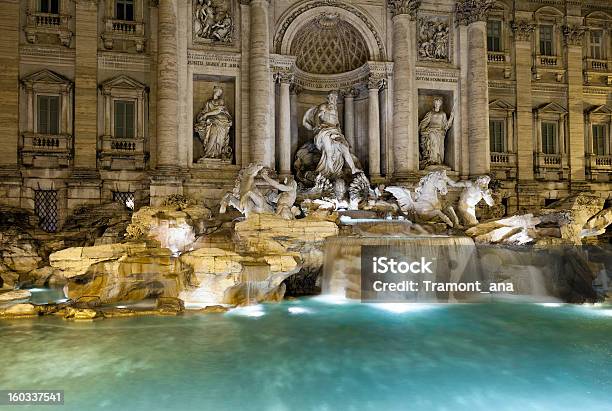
x=321 y=354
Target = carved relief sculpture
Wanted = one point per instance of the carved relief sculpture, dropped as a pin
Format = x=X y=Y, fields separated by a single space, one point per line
x=212 y=21
x=212 y=127
x=433 y=38
x=433 y=129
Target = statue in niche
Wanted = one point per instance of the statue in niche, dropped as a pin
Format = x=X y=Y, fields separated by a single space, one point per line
x=433 y=129
x=424 y=204
x=212 y=21
x=433 y=39
x=336 y=164
x=212 y=126
x=473 y=192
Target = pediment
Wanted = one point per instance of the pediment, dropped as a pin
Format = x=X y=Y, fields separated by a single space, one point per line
x=47 y=77
x=551 y=108
x=602 y=109
x=123 y=82
x=500 y=105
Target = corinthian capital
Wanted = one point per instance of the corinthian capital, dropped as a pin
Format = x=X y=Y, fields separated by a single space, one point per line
x=574 y=35
x=409 y=7
x=471 y=11
x=523 y=30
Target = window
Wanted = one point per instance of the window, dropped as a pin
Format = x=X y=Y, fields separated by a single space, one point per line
x=49 y=6
x=546 y=40
x=124 y=10
x=494 y=35
x=497 y=136
x=599 y=140
x=124 y=119
x=597 y=45
x=549 y=138
x=45 y=206
x=48 y=114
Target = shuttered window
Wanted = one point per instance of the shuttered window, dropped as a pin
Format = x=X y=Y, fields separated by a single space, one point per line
x=549 y=138
x=124 y=119
x=124 y=10
x=494 y=35
x=48 y=6
x=48 y=114
x=600 y=140
x=546 y=40
x=497 y=136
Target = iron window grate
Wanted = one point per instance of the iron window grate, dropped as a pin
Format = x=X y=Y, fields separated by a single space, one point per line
x=124 y=197
x=45 y=204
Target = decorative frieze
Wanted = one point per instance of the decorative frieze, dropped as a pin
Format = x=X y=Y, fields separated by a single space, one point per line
x=213 y=21
x=433 y=38
x=471 y=11
x=441 y=76
x=574 y=35
x=523 y=30
x=218 y=60
x=409 y=7
x=124 y=62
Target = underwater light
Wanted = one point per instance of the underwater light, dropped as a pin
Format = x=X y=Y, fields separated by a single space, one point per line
x=550 y=304
x=400 y=308
x=248 y=311
x=331 y=299
x=299 y=310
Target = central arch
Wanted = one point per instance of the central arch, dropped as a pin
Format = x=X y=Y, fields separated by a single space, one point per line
x=292 y=23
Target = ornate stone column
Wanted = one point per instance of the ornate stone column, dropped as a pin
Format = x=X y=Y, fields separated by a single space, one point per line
x=284 y=129
x=349 y=116
x=167 y=87
x=260 y=114
x=9 y=84
x=293 y=95
x=473 y=14
x=374 y=84
x=405 y=135
x=574 y=40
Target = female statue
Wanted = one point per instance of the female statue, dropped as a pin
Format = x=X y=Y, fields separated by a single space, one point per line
x=213 y=125
x=433 y=130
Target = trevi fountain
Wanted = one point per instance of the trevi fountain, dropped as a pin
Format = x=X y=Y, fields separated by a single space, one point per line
x=307 y=231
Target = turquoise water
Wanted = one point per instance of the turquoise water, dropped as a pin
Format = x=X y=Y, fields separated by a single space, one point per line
x=315 y=355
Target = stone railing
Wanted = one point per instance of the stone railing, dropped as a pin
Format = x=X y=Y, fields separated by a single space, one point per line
x=123 y=30
x=596 y=162
x=498 y=57
x=548 y=61
x=503 y=159
x=128 y=153
x=548 y=160
x=48 y=23
x=597 y=65
x=36 y=145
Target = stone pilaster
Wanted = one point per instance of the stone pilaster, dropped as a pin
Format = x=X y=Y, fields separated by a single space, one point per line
x=574 y=41
x=526 y=188
x=374 y=85
x=523 y=32
x=349 y=116
x=473 y=13
x=167 y=87
x=261 y=119
x=284 y=129
x=86 y=87
x=405 y=116
x=9 y=82
x=293 y=93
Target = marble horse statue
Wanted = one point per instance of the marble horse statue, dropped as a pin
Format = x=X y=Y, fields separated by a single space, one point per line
x=424 y=204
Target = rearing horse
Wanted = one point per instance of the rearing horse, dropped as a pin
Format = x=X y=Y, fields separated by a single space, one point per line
x=424 y=203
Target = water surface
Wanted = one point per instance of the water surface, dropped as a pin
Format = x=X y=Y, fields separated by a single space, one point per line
x=311 y=354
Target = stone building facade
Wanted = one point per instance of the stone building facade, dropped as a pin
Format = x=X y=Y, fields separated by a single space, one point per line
x=100 y=97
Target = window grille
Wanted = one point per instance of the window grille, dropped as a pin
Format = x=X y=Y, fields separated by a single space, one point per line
x=45 y=205
x=124 y=197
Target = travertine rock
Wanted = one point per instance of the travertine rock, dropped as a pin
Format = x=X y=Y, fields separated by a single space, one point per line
x=121 y=272
x=18 y=310
x=15 y=295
